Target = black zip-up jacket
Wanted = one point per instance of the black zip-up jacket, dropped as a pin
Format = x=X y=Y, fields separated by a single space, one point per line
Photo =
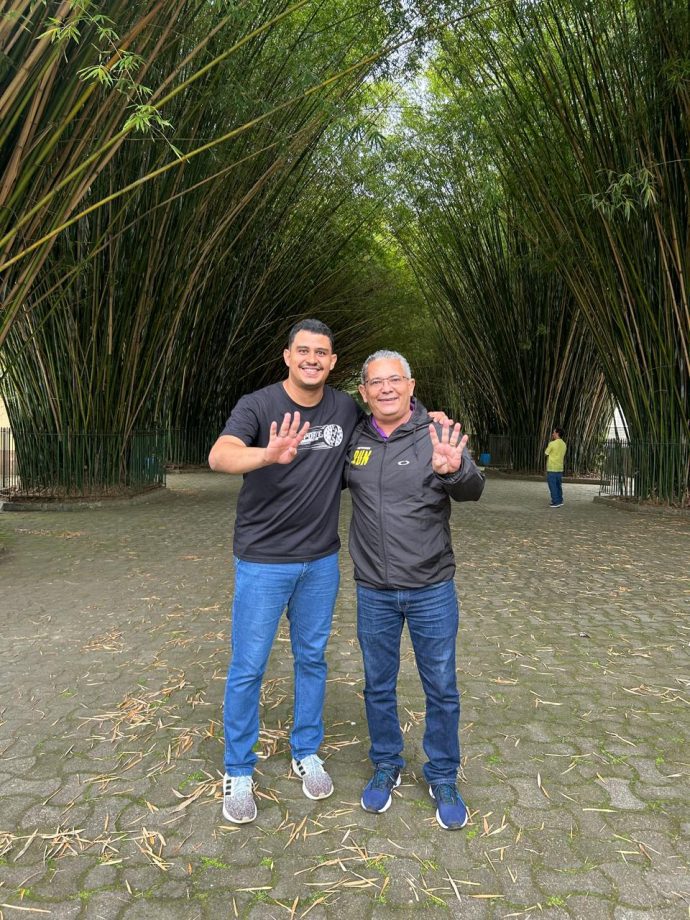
x=400 y=531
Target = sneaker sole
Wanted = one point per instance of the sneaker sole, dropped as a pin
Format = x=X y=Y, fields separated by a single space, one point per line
x=380 y=811
x=446 y=827
x=238 y=820
x=314 y=798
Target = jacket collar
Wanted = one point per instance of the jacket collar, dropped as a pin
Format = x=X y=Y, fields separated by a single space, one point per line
x=418 y=419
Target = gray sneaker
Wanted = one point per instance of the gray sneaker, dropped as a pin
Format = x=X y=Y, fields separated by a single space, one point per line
x=239 y=806
x=316 y=783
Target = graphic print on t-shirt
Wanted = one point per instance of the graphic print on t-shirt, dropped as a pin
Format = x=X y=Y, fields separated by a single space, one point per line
x=288 y=512
x=322 y=437
x=361 y=456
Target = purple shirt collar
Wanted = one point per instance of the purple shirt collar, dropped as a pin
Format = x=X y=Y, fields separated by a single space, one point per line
x=377 y=427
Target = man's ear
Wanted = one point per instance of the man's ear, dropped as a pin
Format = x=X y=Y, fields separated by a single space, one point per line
x=286 y=356
x=334 y=358
x=363 y=392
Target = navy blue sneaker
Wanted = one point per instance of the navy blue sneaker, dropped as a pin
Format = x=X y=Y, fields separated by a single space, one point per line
x=377 y=795
x=451 y=811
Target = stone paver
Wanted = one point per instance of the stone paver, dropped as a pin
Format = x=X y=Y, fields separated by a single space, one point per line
x=575 y=679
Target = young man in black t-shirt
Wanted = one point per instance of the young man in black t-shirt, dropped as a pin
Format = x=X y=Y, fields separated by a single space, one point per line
x=286 y=553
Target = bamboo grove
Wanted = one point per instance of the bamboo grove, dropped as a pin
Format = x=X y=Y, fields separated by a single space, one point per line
x=158 y=307
x=501 y=190
x=547 y=218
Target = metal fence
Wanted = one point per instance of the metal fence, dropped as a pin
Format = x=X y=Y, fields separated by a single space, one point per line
x=649 y=470
x=68 y=465
x=646 y=469
x=8 y=464
x=83 y=465
x=189 y=446
x=525 y=454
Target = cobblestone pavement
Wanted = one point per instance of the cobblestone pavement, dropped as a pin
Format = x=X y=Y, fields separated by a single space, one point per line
x=575 y=679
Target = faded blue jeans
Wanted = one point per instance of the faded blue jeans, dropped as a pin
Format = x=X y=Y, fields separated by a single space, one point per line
x=431 y=614
x=263 y=591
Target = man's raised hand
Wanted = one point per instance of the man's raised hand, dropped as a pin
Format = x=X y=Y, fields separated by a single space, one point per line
x=447 y=452
x=284 y=441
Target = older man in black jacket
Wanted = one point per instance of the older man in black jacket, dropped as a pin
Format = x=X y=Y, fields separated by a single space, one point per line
x=402 y=472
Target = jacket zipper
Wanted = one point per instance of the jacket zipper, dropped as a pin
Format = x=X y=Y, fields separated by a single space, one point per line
x=382 y=534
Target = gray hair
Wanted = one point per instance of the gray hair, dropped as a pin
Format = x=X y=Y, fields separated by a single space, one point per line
x=388 y=355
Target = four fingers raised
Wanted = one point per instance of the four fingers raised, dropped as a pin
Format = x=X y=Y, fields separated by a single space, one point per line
x=448 y=436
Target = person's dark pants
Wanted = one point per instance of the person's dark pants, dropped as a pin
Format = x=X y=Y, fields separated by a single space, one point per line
x=432 y=617
x=555 y=483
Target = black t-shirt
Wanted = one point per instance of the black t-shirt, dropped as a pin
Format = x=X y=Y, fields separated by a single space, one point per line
x=289 y=512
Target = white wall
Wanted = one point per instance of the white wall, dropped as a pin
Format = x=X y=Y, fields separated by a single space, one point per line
x=617 y=426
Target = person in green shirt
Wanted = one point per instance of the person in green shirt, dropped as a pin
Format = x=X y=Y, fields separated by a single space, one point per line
x=555 y=454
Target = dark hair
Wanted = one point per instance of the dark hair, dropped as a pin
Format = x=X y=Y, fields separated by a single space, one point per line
x=310 y=325
x=559 y=432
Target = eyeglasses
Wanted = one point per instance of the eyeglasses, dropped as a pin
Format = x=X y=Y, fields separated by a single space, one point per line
x=377 y=382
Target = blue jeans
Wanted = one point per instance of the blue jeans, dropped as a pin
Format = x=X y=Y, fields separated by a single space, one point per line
x=262 y=592
x=555 y=482
x=432 y=617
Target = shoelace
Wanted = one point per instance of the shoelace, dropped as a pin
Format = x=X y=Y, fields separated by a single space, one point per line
x=383 y=778
x=446 y=793
x=239 y=784
x=312 y=764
